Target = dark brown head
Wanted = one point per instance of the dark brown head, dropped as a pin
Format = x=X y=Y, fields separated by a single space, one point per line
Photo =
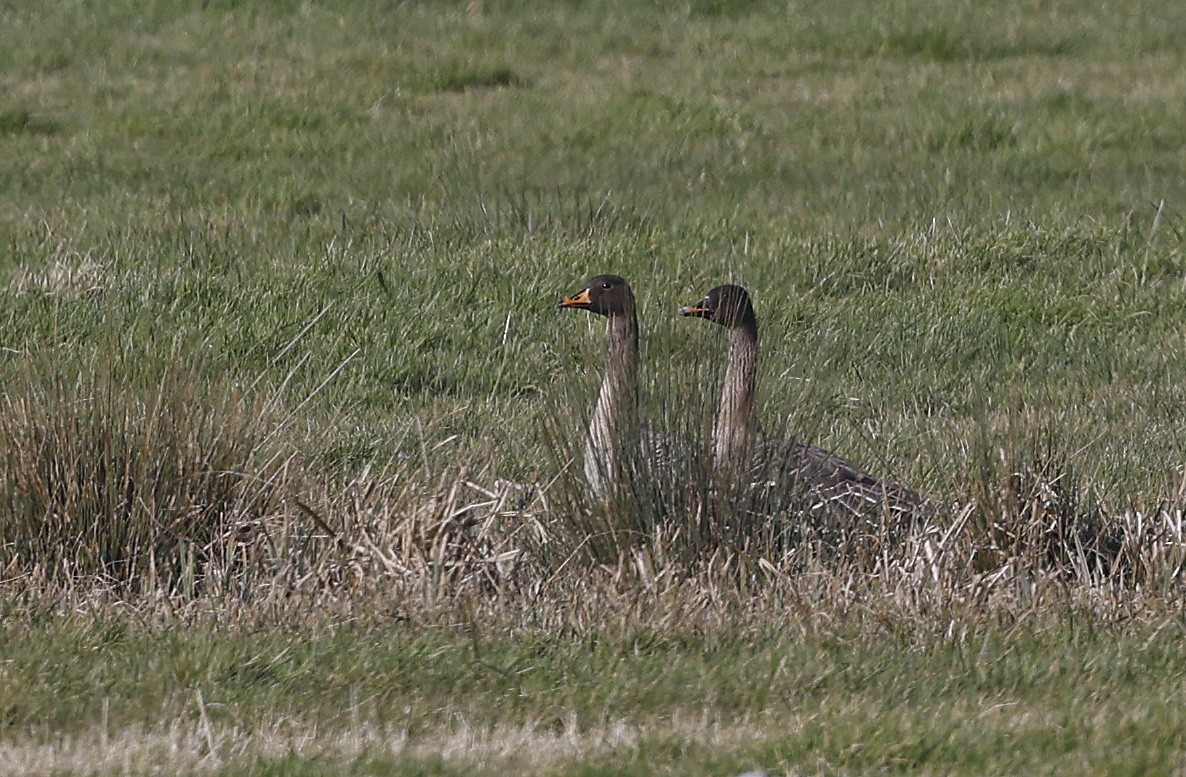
x=606 y=295
x=726 y=305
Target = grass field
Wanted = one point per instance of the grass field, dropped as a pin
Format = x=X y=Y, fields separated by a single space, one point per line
x=288 y=414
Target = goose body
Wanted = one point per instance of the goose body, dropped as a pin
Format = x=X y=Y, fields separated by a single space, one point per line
x=812 y=477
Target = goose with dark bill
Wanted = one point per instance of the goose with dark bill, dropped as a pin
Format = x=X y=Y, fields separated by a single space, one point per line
x=742 y=452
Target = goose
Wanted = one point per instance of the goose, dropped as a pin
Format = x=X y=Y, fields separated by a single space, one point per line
x=613 y=441
x=802 y=473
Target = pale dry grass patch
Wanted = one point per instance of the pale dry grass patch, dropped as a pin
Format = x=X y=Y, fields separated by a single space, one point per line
x=429 y=553
x=70 y=273
x=427 y=540
x=1152 y=78
x=203 y=746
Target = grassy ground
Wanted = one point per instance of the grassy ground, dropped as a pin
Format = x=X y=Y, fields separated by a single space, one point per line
x=280 y=361
x=390 y=700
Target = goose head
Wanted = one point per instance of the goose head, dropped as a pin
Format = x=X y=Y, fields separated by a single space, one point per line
x=606 y=295
x=727 y=305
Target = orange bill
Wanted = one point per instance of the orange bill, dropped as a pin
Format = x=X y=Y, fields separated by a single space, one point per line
x=578 y=300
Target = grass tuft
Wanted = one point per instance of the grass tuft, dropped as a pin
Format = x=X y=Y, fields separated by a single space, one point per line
x=23 y=122
x=463 y=78
x=125 y=479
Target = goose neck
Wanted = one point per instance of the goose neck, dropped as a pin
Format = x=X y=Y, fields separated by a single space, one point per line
x=736 y=426
x=613 y=430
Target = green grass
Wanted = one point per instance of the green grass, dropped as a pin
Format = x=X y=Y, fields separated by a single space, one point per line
x=648 y=701
x=279 y=348
x=904 y=202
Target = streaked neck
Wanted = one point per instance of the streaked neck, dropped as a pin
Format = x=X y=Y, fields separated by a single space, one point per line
x=736 y=427
x=613 y=430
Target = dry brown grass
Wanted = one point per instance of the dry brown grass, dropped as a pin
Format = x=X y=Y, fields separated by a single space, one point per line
x=140 y=490
x=181 y=747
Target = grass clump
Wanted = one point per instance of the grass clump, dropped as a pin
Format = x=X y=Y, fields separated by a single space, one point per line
x=460 y=79
x=21 y=121
x=126 y=479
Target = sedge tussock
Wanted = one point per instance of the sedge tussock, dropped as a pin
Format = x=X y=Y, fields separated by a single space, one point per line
x=124 y=483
